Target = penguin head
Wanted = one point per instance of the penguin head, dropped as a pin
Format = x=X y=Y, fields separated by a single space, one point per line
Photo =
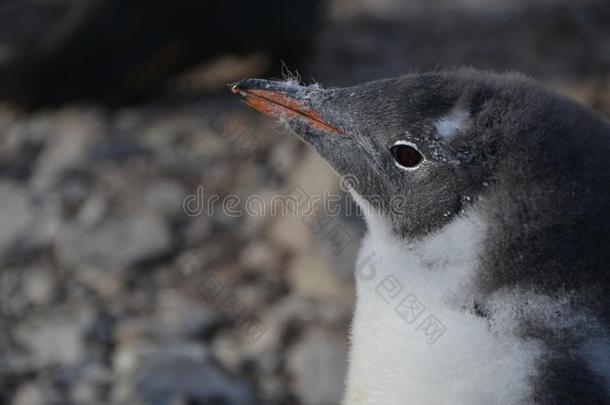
x=417 y=149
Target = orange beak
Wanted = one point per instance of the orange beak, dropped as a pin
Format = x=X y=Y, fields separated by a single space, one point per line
x=275 y=100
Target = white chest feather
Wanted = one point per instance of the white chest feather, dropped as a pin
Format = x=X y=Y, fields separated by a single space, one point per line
x=414 y=341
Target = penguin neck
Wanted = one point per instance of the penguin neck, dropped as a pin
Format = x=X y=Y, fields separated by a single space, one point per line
x=440 y=266
x=413 y=340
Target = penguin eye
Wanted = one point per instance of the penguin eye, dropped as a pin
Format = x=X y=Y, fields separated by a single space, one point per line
x=406 y=156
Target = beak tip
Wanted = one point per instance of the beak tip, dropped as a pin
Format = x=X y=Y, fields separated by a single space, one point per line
x=234 y=87
x=238 y=89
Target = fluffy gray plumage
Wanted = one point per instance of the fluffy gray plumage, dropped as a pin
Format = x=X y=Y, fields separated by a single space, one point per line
x=537 y=165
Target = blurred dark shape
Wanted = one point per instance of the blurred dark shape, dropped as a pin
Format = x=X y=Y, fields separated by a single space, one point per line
x=549 y=40
x=117 y=50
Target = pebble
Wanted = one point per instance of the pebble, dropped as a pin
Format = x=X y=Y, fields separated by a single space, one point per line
x=165 y=197
x=317 y=364
x=184 y=372
x=117 y=244
x=16 y=214
x=29 y=394
x=55 y=341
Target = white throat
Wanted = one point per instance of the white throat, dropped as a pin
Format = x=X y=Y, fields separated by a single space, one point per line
x=414 y=340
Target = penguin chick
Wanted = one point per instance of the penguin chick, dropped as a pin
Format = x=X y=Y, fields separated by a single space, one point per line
x=484 y=275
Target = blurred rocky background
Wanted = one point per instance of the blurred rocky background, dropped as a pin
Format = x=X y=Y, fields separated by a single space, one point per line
x=116 y=127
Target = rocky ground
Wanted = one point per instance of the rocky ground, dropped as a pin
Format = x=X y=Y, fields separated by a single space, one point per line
x=113 y=293
x=118 y=287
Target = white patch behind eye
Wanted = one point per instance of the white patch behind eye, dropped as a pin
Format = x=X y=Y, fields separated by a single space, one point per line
x=451 y=124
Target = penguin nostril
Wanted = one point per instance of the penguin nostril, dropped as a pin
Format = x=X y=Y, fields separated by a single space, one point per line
x=406 y=156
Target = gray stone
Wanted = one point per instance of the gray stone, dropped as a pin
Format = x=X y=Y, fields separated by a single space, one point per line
x=16 y=214
x=261 y=256
x=12 y=301
x=55 y=341
x=38 y=285
x=317 y=364
x=73 y=133
x=29 y=394
x=228 y=349
x=178 y=372
x=178 y=315
x=312 y=276
x=117 y=244
x=165 y=197
x=93 y=210
x=198 y=229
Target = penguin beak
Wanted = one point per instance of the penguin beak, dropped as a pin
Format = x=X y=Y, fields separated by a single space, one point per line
x=283 y=100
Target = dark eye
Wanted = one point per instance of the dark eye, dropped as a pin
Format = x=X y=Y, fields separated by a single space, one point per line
x=406 y=156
